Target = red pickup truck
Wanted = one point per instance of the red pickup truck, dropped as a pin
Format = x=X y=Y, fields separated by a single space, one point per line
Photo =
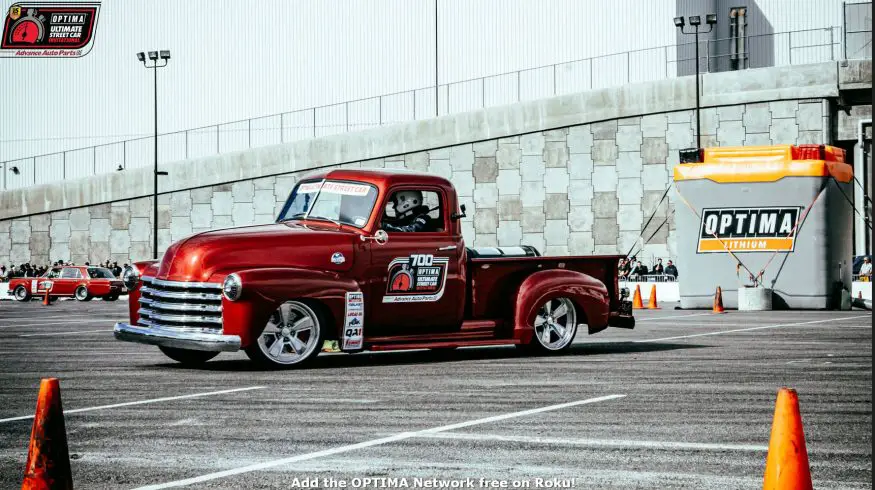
x=374 y=260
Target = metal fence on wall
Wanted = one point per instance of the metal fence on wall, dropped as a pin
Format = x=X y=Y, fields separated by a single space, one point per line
x=788 y=48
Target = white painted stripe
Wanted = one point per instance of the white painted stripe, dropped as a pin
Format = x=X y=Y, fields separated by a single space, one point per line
x=143 y=402
x=612 y=443
x=374 y=442
x=59 y=322
x=49 y=334
x=657 y=318
x=763 y=327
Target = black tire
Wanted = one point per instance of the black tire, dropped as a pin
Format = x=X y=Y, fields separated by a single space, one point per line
x=255 y=353
x=188 y=357
x=21 y=293
x=82 y=294
x=110 y=297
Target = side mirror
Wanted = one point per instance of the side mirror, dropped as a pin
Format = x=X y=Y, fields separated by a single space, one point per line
x=457 y=216
x=380 y=237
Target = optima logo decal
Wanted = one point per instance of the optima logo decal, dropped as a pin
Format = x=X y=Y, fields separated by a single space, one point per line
x=49 y=29
x=748 y=229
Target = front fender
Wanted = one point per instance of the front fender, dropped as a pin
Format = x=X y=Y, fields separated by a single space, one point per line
x=589 y=295
x=265 y=289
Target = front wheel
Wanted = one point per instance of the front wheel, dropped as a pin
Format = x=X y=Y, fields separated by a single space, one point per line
x=555 y=327
x=21 y=294
x=188 y=357
x=292 y=337
x=81 y=294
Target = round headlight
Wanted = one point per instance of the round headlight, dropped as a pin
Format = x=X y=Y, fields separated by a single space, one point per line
x=232 y=288
x=131 y=276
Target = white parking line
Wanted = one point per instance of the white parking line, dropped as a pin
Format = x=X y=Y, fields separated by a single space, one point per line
x=611 y=443
x=657 y=318
x=143 y=402
x=763 y=327
x=374 y=442
x=48 y=334
x=66 y=322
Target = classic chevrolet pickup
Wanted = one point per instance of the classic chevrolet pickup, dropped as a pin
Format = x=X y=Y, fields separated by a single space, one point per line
x=374 y=260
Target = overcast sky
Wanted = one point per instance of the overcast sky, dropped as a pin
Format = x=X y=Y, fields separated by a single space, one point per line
x=233 y=60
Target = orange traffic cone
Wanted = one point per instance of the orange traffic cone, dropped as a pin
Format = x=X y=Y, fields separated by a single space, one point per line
x=46 y=300
x=787 y=462
x=637 y=304
x=718 y=302
x=48 y=462
x=651 y=303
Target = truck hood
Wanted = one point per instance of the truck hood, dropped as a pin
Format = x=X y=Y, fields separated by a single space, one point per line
x=199 y=257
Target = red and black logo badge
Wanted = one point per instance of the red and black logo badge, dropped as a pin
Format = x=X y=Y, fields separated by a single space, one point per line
x=416 y=278
x=48 y=29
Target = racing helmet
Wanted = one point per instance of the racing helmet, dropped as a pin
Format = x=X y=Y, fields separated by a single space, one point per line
x=407 y=200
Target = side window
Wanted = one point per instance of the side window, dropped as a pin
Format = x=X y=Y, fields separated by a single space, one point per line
x=54 y=274
x=70 y=273
x=405 y=206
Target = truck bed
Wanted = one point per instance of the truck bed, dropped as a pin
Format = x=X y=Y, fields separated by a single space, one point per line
x=494 y=278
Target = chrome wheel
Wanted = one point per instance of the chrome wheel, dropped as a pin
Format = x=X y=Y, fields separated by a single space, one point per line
x=20 y=293
x=82 y=294
x=292 y=334
x=556 y=324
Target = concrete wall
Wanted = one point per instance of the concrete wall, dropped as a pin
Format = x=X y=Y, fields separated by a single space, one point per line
x=575 y=174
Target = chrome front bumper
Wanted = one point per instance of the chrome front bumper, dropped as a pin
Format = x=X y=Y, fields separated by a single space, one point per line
x=176 y=338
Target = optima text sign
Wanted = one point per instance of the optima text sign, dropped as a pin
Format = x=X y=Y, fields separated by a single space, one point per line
x=764 y=229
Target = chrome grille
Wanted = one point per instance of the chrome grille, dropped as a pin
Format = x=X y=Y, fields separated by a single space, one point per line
x=190 y=306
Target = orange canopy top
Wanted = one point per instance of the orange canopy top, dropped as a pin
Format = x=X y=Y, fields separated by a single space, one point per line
x=766 y=164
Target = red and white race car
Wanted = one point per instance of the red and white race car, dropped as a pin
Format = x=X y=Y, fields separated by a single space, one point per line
x=80 y=282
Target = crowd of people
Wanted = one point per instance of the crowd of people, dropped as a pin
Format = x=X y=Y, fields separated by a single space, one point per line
x=32 y=270
x=632 y=267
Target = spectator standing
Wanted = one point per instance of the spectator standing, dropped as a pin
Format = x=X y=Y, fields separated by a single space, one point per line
x=640 y=269
x=658 y=268
x=671 y=270
x=866 y=269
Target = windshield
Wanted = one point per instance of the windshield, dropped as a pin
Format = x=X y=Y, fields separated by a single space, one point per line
x=349 y=203
x=100 y=273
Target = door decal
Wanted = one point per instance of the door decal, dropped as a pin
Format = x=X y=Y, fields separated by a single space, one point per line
x=353 y=325
x=418 y=278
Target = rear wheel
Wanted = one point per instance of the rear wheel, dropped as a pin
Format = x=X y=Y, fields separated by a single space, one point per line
x=188 y=357
x=82 y=294
x=21 y=294
x=292 y=337
x=555 y=326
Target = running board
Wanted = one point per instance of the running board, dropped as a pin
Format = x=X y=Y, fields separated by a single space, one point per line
x=440 y=344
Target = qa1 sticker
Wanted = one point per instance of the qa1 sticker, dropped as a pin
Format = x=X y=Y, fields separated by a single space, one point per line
x=338 y=258
x=353 y=325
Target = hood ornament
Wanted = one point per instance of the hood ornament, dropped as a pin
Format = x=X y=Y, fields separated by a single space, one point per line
x=338 y=258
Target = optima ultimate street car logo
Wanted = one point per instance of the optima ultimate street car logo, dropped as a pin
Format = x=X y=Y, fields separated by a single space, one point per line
x=48 y=29
x=748 y=229
x=418 y=278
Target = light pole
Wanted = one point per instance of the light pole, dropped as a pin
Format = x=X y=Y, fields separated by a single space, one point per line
x=154 y=57
x=437 y=93
x=695 y=22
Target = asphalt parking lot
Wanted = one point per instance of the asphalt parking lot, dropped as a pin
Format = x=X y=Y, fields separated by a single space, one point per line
x=683 y=401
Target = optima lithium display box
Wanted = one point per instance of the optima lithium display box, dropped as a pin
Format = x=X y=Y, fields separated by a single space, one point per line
x=777 y=213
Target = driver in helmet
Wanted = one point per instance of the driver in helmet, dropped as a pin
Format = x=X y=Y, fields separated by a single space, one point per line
x=411 y=215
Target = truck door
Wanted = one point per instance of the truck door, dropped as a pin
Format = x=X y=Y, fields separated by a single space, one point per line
x=419 y=282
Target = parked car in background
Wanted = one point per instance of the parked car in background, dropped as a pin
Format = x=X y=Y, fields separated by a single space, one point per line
x=81 y=282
